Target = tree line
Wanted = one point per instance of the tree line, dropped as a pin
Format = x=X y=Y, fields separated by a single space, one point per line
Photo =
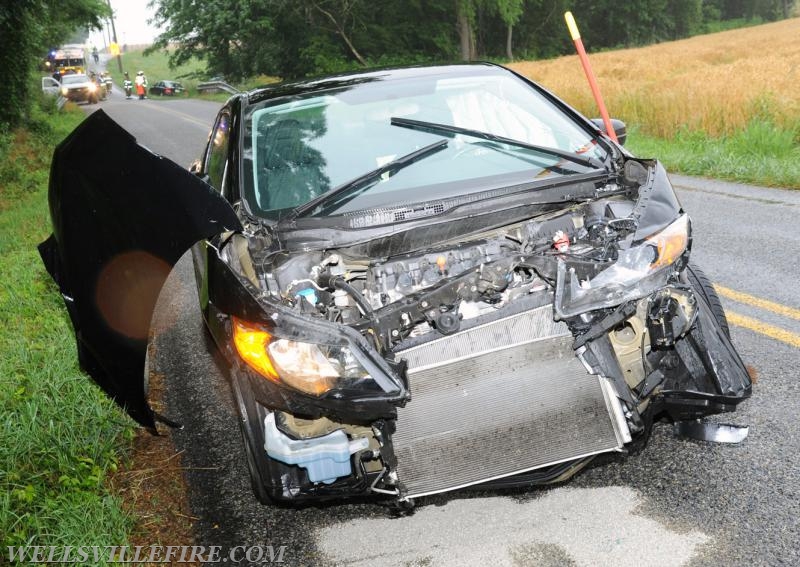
x=296 y=38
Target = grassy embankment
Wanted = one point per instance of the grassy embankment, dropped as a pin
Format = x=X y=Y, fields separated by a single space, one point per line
x=60 y=437
x=719 y=105
x=156 y=67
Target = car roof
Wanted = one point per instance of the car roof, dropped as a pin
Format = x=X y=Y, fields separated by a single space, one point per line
x=383 y=74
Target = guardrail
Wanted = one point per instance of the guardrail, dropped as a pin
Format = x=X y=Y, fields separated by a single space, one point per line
x=60 y=102
x=216 y=86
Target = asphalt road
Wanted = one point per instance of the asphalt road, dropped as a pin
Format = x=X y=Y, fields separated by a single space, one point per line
x=677 y=503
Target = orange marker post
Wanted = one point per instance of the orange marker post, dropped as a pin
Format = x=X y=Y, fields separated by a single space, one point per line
x=587 y=68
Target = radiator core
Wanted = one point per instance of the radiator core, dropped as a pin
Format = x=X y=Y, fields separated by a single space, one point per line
x=496 y=400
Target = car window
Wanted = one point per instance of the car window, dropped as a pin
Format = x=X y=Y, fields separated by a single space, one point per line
x=302 y=147
x=217 y=157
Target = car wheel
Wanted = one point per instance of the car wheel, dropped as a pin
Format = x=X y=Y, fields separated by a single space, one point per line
x=703 y=286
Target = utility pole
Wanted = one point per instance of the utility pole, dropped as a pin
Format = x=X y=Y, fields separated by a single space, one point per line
x=114 y=32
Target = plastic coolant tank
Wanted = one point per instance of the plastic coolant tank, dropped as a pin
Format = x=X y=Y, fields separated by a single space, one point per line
x=325 y=458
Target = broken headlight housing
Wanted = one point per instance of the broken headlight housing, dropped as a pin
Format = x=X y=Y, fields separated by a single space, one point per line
x=312 y=368
x=639 y=271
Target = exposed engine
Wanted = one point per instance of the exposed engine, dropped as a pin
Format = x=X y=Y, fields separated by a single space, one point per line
x=439 y=288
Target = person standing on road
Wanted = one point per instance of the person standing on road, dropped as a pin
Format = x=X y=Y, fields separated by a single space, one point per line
x=127 y=84
x=141 y=85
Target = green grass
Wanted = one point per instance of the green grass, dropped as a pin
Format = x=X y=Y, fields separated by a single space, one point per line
x=761 y=154
x=60 y=437
x=155 y=67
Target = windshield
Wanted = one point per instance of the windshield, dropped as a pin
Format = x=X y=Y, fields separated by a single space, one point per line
x=297 y=148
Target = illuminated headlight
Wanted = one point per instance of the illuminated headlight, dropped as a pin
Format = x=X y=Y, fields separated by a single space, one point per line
x=92 y=87
x=64 y=91
x=639 y=271
x=311 y=368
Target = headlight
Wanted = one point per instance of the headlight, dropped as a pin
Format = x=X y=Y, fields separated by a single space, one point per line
x=638 y=271
x=64 y=91
x=92 y=87
x=311 y=368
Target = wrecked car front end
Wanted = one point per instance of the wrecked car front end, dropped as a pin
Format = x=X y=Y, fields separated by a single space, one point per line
x=480 y=311
x=510 y=357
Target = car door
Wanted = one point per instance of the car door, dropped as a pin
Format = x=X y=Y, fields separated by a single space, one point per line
x=213 y=170
x=50 y=86
x=122 y=216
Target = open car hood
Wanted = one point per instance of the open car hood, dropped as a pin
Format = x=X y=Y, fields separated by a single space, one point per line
x=122 y=217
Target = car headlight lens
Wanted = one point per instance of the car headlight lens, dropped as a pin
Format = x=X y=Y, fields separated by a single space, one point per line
x=670 y=243
x=311 y=368
x=92 y=87
x=64 y=91
x=638 y=271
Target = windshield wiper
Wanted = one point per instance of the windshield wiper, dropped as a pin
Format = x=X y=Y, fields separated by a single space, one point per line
x=366 y=179
x=448 y=129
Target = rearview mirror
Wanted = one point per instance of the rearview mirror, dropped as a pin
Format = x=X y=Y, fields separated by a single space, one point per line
x=619 y=128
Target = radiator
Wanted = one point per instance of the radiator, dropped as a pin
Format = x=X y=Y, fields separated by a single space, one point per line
x=496 y=400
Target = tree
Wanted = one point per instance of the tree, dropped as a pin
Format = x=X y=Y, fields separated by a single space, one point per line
x=233 y=37
x=510 y=12
x=465 y=20
x=340 y=14
x=28 y=28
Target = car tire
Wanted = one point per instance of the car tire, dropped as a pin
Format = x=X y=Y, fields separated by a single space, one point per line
x=252 y=436
x=703 y=286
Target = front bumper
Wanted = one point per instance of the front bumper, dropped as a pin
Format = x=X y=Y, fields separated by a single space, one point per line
x=81 y=95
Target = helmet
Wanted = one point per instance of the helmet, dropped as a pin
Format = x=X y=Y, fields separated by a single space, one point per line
x=140 y=73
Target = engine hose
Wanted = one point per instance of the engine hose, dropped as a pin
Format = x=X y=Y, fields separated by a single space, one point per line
x=338 y=282
x=366 y=308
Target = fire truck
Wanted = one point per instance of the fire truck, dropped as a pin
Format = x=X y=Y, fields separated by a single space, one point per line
x=66 y=60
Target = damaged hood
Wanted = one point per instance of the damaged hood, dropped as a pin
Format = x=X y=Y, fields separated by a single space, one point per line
x=122 y=217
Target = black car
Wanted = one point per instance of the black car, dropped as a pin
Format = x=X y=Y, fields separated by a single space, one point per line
x=420 y=279
x=167 y=88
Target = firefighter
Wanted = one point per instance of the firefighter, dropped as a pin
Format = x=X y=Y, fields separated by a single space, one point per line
x=127 y=84
x=141 y=85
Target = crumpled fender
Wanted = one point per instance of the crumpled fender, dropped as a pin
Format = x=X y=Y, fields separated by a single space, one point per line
x=122 y=217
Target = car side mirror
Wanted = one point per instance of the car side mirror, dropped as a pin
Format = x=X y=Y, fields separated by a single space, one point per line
x=619 y=128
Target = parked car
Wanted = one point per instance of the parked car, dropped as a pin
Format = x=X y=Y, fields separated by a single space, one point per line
x=167 y=88
x=420 y=279
x=78 y=87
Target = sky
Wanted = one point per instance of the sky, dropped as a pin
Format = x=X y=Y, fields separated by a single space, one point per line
x=130 y=19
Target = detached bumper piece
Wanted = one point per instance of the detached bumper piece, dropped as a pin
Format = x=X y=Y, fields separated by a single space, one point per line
x=710 y=431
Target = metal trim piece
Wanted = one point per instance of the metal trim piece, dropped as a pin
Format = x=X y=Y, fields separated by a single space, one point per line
x=539 y=315
x=614 y=405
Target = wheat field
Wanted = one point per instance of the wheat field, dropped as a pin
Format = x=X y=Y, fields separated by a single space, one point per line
x=715 y=83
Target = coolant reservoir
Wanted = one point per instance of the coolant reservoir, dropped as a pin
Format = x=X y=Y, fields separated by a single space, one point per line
x=325 y=458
